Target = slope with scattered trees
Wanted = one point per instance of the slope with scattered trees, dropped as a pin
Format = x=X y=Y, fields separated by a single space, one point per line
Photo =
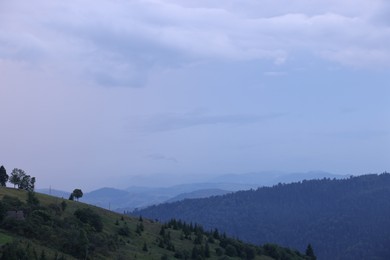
x=53 y=228
x=38 y=226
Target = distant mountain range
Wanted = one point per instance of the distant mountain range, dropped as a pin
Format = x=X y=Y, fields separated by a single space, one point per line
x=343 y=219
x=55 y=193
x=140 y=197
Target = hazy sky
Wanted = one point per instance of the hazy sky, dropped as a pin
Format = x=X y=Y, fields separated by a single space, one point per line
x=102 y=92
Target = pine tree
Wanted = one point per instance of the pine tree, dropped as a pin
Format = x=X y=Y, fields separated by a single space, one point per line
x=207 y=250
x=145 y=247
x=310 y=252
x=3 y=176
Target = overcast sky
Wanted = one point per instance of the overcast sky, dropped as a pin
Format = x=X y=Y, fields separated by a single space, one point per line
x=108 y=93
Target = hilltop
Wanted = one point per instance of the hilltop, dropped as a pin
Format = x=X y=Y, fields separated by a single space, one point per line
x=39 y=226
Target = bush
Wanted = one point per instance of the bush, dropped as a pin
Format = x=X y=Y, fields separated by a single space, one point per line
x=11 y=203
x=231 y=250
x=124 y=231
x=88 y=216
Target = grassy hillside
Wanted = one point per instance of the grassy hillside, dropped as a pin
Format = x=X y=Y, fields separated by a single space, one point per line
x=54 y=228
x=342 y=219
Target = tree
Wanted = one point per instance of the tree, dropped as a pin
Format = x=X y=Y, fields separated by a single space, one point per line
x=83 y=244
x=32 y=199
x=27 y=183
x=3 y=176
x=207 y=250
x=310 y=252
x=88 y=216
x=77 y=193
x=31 y=185
x=71 y=196
x=16 y=176
x=63 y=205
x=145 y=247
x=22 y=180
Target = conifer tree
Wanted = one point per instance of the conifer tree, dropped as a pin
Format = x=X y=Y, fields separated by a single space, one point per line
x=310 y=252
x=145 y=247
x=71 y=196
x=3 y=176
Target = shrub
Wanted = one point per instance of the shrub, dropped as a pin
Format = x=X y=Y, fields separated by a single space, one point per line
x=88 y=216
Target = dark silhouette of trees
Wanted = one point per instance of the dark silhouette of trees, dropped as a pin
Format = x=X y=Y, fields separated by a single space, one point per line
x=310 y=252
x=22 y=180
x=27 y=183
x=63 y=205
x=3 y=176
x=88 y=216
x=32 y=200
x=145 y=247
x=16 y=176
x=77 y=193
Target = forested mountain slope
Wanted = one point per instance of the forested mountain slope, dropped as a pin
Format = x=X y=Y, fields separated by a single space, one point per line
x=342 y=219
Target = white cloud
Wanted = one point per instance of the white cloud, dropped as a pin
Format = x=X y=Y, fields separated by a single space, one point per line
x=122 y=42
x=175 y=121
x=359 y=58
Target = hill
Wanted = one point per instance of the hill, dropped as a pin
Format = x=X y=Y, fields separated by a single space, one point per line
x=141 y=197
x=39 y=226
x=342 y=219
x=128 y=199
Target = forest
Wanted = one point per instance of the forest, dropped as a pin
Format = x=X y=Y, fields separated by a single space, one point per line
x=342 y=219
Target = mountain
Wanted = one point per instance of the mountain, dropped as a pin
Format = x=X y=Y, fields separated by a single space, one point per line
x=190 y=187
x=56 y=193
x=141 y=197
x=37 y=226
x=199 y=194
x=341 y=218
x=105 y=196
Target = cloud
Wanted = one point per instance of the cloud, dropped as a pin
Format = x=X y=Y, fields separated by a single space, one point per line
x=121 y=43
x=381 y=14
x=357 y=57
x=275 y=73
x=176 y=121
x=158 y=157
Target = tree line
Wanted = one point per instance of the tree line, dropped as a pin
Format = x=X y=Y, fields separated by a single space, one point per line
x=23 y=181
x=18 y=178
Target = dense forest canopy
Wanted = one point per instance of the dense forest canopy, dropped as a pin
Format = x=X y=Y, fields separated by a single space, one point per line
x=342 y=219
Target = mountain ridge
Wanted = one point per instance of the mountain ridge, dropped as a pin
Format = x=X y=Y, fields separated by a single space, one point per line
x=342 y=218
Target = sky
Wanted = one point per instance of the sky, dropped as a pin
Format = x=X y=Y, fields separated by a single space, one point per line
x=120 y=93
